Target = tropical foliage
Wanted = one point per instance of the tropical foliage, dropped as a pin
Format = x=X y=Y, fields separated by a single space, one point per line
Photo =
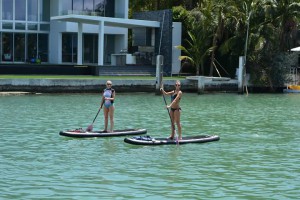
x=223 y=30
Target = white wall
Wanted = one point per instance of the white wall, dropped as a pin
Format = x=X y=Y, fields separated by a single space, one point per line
x=176 y=40
x=54 y=35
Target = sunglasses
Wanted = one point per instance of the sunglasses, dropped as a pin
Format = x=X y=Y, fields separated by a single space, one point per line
x=108 y=84
x=177 y=84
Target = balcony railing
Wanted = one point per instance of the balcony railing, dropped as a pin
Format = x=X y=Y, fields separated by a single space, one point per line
x=90 y=13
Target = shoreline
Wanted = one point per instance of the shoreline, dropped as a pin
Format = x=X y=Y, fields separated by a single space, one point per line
x=19 y=86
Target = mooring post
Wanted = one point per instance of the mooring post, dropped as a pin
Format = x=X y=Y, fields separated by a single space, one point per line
x=201 y=84
x=159 y=73
x=241 y=75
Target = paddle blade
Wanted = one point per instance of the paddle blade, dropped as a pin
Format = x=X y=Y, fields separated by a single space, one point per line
x=89 y=128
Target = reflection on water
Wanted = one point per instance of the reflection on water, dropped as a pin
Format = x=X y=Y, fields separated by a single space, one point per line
x=256 y=158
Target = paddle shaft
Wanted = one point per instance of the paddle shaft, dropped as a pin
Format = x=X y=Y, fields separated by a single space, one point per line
x=96 y=116
x=168 y=110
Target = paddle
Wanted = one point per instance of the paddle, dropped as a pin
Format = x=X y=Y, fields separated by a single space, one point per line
x=90 y=127
x=173 y=125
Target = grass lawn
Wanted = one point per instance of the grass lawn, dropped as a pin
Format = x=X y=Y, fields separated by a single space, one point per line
x=87 y=77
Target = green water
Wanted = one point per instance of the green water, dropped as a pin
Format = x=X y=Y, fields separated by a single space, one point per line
x=257 y=156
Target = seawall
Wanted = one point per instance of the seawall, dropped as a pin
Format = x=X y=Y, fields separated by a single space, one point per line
x=94 y=85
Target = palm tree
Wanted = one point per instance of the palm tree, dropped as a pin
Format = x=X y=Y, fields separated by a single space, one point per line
x=195 y=54
x=197 y=45
x=285 y=14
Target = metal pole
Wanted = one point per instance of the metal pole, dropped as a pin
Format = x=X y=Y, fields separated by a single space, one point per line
x=245 y=57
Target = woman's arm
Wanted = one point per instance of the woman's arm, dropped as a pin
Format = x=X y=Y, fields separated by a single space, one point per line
x=113 y=95
x=166 y=93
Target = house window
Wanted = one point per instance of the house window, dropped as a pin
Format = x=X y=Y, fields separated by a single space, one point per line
x=88 y=5
x=90 y=48
x=78 y=5
x=32 y=46
x=14 y=49
x=45 y=10
x=69 y=47
x=7 y=25
x=20 y=10
x=20 y=26
x=19 y=47
x=7 y=9
x=7 y=46
x=32 y=10
x=43 y=42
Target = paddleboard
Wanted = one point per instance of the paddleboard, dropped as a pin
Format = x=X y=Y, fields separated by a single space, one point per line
x=148 y=140
x=80 y=133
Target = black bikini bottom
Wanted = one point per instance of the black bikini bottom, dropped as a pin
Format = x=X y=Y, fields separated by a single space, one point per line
x=174 y=109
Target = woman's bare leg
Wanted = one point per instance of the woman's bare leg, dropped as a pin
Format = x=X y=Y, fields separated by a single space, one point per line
x=105 y=112
x=178 y=124
x=172 y=125
x=111 y=118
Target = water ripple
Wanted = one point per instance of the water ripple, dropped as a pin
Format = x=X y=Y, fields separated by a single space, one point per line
x=256 y=158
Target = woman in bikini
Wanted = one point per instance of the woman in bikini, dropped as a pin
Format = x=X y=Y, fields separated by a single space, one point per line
x=108 y=97
x=174 y=108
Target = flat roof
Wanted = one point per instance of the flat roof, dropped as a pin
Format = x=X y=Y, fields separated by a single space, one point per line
x=108 y=21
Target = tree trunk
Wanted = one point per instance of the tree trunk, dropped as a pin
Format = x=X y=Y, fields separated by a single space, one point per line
x=197 y=69
x=212 y=58
x=217 y=35
x=202 y=68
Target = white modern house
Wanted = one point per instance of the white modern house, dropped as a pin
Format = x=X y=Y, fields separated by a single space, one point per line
x=83 y=32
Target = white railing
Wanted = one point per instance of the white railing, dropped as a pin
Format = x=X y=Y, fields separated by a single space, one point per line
x=89 y=13
x=77 y=12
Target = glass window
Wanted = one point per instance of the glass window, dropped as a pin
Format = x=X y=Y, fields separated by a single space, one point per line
x=69 y=47
x=43 y=42
x=100 y=7
x=66 y=6
x=44 y=27
x=45 y=10
x=110 y=9
x=31 y=46
x=88 y=5
x=74 y=47
x=109 y=43
x=78 y=5
x=7 y=9
x=90 y=48
x=20 y=26
x=7 y=25
x=32 y=10
x=20 y=11
x=19 y=47
x=7 y=46
x=66 y=47
x=32 y=27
